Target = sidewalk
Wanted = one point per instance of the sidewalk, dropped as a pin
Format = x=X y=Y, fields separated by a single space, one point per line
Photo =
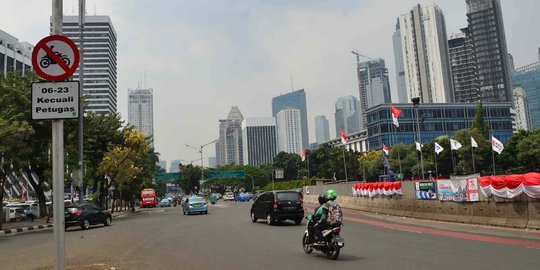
x=38 y=224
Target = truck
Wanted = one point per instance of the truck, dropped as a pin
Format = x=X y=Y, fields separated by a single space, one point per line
x=148 y=197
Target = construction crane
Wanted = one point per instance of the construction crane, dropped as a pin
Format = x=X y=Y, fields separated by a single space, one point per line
x=358 y=56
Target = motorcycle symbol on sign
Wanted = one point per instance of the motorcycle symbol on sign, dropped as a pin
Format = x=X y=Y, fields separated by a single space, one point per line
x=46 y=60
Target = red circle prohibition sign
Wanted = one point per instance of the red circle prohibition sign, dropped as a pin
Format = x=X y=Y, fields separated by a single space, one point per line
x=68 y=70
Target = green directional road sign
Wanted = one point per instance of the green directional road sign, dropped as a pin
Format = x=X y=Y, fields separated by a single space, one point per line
x=168 y=176
x=226 y=174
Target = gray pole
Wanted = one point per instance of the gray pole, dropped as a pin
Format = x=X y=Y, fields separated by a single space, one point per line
x=202 y=169
x=82 y=10
x=419 y=139
x=58 y=160
x=273 y=171
x=345 y=165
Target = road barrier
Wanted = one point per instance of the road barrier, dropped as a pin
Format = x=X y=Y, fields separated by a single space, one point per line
x=519 y=212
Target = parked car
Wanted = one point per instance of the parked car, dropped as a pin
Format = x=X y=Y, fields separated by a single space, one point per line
x=86 y=214
x=278 y=206
x=165 y=203
x=229 y=196
x=195 y=205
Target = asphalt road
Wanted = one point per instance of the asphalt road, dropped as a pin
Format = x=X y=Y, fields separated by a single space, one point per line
x=227 y=239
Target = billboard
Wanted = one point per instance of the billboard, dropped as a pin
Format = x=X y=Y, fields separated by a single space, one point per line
x=425 y=190
x=458 y=190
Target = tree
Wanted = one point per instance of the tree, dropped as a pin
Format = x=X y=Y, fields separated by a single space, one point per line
x=464 y=158
x=529 y=152
x=290 y=163
x=508 y=160
x=190 y=182
x=479 y=124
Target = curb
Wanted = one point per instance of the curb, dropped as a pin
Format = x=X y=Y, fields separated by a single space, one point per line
x=25 y=229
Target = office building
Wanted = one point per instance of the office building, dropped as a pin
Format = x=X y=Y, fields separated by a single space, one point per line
x=162 y=164
x=14 y=55
x=141 y=111
x=424 y=47
x=400 y=66
x=175 y=166
x=289 y=130
x=99 y=65
x=374 y=86
x=463 y=65
x=259 y=140
x=322 y=129
x=229 y=144
x=528 y=78
x=521 y=109
x=296 y=100
x=511 y=66
x=212 y=163
x=487 y=30
x=438 y=119
x=347 y=115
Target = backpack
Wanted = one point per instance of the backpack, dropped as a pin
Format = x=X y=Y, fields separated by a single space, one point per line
x=335 y=215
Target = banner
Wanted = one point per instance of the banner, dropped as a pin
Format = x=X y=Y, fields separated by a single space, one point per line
x=510 y=186
x=458 y=190
x=425 y=191
x=377 y=188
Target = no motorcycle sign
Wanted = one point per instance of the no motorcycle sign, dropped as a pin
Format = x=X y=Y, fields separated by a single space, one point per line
x=55 y=58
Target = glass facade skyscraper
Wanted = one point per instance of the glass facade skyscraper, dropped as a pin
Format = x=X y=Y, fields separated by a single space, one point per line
x=322 y=129
x=528 y=78
x=141 y=110
x=374 y=86
x=347 y=115
x=296 y=100
x=464 y=68
x=259 y=140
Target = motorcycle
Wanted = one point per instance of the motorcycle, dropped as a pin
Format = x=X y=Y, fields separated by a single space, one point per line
x=174 y=203
x=333 y=242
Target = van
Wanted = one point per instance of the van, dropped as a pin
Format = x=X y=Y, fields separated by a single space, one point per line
x=277 y=206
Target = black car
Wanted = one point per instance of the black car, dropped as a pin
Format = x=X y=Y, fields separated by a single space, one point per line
x=87 y=214
x=278 y=206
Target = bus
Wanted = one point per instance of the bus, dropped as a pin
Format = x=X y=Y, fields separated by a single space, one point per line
x=148 y=196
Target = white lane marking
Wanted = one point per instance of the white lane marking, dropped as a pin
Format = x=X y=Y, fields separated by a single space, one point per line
x=220 y=205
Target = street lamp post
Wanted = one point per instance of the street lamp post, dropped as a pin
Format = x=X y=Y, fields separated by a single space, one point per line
x=416 y=103
x=252 y=183
x=200 y=150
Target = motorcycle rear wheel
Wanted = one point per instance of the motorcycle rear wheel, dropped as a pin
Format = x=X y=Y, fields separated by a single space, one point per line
x=305 y=244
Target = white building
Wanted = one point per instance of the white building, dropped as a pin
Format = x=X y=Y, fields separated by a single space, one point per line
x=424 y=50
x=322 y=129
x=14 y=55
x=141 y=111
x=259 y=140
x=100 y=65
x=229 y=144
x=289 y=131
x=521 y=107
x=347 y=115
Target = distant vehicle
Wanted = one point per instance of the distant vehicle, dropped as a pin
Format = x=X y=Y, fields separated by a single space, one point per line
x=217 y=195
x=86 y=214
x=195 y=205
x=165 y=203
x=242 y=197
x=277 y=206
x=257 y=194
x=229 y=196
x=148 y=197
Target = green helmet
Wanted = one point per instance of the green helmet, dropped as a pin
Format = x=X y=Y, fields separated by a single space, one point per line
x=331 y=194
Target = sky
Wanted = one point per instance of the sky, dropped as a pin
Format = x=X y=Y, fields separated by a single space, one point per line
x=202 y=57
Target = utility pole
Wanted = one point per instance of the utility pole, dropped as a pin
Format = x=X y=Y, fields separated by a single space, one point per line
x=58 y=159
x=82 y=11
x=200 y=150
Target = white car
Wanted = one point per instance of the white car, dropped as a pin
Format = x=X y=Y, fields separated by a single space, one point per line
x=229 y=196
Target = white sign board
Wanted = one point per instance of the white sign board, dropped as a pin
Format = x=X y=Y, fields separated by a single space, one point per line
x=279 y=173
x=55 y=100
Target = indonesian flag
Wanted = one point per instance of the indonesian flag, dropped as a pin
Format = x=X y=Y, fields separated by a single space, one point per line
x=395 y=114
x=454 y=145
x=343 y=137
x=303 y=154
x=496 y=145
x=511 y=186
x=385 y=149
x=473 y=143
x=438 y=148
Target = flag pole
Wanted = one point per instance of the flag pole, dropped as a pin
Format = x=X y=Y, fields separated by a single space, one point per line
x=345 y=164
x=493 y=156
x=472 y=153
x=453 y=161
x=436 y=167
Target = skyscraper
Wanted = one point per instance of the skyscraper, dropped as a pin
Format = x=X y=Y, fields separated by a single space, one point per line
x=322 y=130
x=100 y=65
x=464 y=68
x=259 y=140
x=162 y=164
x=374 y=87
x=347 y=115
x=141 y=111
x=14 y=55
x=296 y=100
x=289 y=130
x=528 y=78
x=175 y=166
x=229 y=144
x=521 y=107
x=424 y=47
x=487 y=30
x=400 y=66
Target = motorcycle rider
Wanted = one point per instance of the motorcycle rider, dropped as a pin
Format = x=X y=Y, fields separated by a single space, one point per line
x=314 y=218
x=323 y=222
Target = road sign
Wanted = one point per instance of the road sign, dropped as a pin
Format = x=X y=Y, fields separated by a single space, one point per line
x=55 y=58
x=279 y=174
x=226 y=174
x=168 y=176
x=55 y=100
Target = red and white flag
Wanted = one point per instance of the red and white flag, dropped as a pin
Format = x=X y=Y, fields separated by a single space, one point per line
x=303 y=154
x=496 y=145
x=343 y=137
x=395 y=114
x=385 y=149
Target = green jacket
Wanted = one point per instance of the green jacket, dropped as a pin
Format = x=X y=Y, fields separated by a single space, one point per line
x=320 y=213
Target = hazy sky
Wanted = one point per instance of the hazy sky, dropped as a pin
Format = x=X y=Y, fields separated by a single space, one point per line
x=202 y=57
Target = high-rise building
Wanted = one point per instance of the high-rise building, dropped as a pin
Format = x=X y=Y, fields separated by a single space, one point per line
x=528 y=78
x=374 y=86
x=229 y=144
x=511 y=66
x=289 y=130
x=259 y=140
x=347 y=115
x=464 y=69
x=14 y=55
x=487 y=30
x=400 y=66
x=99 y=65
x=175 y=166
x=322 y=129
x=141 y=111
x=162 y=164
x=424 y=46
x=212 y=162
x=296 y=100
x=521 y=107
